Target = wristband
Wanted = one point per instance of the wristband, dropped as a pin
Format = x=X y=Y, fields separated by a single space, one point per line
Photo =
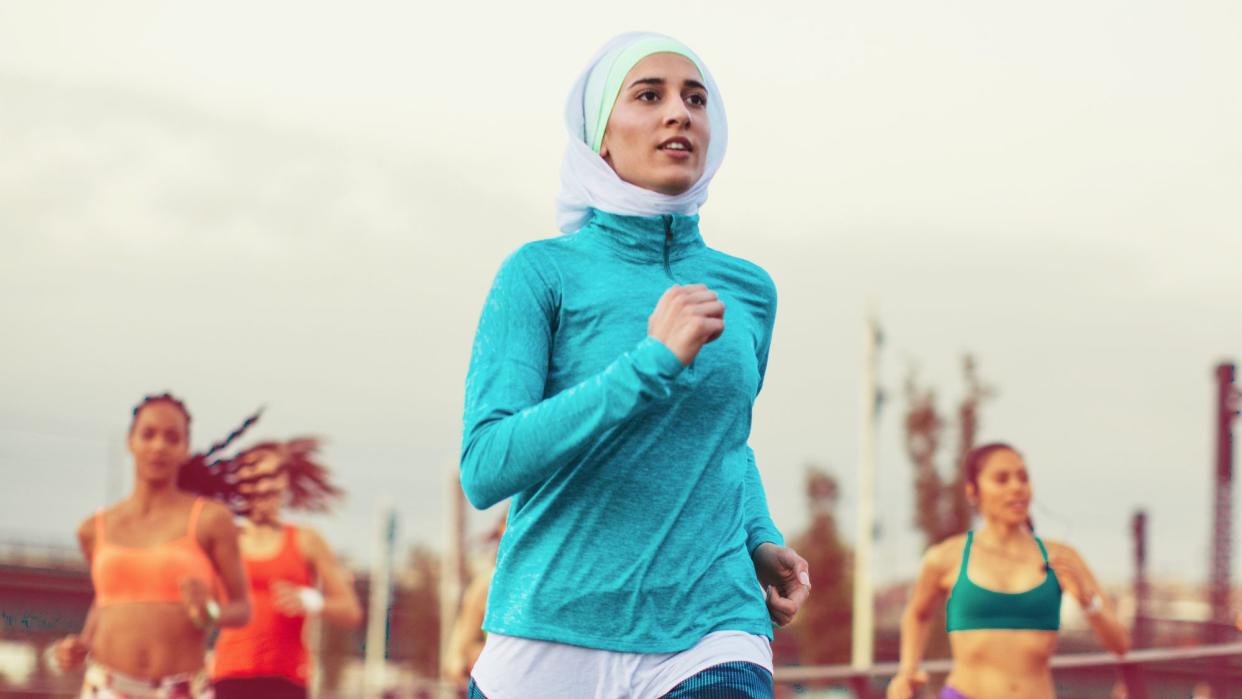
x=311 y=599
x=211 y=609
x=1095 y=606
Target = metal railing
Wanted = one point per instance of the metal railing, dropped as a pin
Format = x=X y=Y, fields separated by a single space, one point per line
x=24 y=552
x=1133 y=669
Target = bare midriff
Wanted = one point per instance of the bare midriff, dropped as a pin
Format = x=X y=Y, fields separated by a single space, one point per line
x=147 y=639
x=1003 y=663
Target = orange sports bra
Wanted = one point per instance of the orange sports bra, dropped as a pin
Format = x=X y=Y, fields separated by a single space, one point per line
x=127 y=574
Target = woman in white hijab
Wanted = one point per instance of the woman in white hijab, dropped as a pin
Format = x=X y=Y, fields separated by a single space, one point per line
x=609 y=395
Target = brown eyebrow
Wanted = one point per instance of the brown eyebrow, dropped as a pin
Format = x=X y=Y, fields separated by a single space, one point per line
x=662 y=81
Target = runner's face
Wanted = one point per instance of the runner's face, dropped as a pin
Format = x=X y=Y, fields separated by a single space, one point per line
x=1003 y=492
x=658 y=132
x=159 y=442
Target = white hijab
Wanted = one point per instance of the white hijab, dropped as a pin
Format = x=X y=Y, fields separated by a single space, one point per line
x=587 y=181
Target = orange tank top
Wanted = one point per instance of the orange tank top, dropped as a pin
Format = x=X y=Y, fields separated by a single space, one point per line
x=128 y=574
x=271 y=645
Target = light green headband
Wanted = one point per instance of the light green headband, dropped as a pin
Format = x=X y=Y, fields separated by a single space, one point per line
x=604 y=85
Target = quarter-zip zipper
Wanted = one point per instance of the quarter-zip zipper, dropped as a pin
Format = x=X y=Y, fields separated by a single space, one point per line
x=668 y=269
x=668 y=245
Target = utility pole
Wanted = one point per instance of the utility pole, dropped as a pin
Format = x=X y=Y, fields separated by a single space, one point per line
x=1222 y=515
x=380 y=596
x=863 y=627
x=1142 y=612
x=453 y=567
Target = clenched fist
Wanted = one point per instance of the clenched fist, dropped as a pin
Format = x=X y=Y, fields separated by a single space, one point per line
x=195 y=595
x=69 y=653
x=685 y=319
x=905 y=685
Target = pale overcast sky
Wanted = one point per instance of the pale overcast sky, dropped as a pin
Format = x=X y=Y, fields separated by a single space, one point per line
x=302 y=204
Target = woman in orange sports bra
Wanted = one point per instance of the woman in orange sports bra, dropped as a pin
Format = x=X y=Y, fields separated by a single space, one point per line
x=1002 y=588
x=287 y=567
x=154 y=558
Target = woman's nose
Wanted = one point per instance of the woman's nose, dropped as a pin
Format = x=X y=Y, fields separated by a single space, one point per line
x=677 y=113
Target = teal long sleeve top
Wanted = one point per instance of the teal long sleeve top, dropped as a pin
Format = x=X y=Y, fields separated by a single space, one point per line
x=636 y=501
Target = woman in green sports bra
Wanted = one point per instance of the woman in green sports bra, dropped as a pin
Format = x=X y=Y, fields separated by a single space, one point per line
x=1002 y=587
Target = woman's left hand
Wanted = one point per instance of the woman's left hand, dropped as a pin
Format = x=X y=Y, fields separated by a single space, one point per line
x=1076 y=578
x=195 y=594
x=786 y=580
x=1072 y=576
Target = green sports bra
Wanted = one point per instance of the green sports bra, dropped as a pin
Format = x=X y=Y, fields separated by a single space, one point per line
x=971 y=607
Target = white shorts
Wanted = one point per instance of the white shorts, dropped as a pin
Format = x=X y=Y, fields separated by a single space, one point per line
x=520 y=668
x=103 y=683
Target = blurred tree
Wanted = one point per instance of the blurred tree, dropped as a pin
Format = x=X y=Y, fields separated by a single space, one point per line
x=414 y=623
x=414 y=639
x=941 y=508
x=822 y=627
x=337 y=645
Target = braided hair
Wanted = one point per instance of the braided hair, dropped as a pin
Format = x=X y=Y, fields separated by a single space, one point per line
x=166 y=398
x=309 y=486
x=199 y=474
x=212 y=478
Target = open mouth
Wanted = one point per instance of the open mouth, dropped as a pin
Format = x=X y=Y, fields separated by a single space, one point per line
x=677 y=144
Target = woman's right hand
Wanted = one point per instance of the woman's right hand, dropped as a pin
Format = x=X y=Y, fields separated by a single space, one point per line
x=685 y=319
x=904 y=685
x=70 y=652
